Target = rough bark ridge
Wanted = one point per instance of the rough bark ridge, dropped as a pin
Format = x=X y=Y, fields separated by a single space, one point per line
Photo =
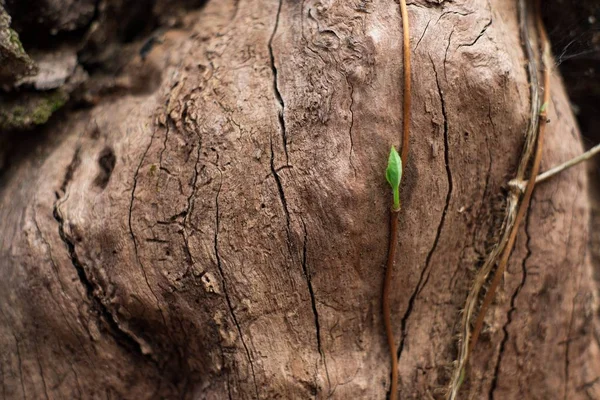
x=222 y=234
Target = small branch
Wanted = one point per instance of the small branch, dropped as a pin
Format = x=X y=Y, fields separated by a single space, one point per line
x=387 y=319
x=516 y=204
x=520 y=185
x=407 y=84
x=571 y=163
x=530 y=185
x=396 y=174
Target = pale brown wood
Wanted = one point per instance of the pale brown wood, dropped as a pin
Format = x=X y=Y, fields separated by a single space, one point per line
x=218 y=228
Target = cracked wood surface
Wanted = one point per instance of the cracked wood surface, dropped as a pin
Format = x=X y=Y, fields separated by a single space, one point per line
x=224 y=235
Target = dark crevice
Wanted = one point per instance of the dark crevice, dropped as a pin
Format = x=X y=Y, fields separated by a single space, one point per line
x=226 y=292
x=430 y=4
x=49 y=249
x=313 y=301
x=121 y=337
x=486 y=26
x=278 y=96
x=106 y=163
x=460 y=14
x=351 y=123
x=190 y=204
x=280 y=190
x=411 y=302
x=162 y=151
x=133 y=238
x=512 y=309
x=311 y=292
x=58 y=277
x=445 y=56
x=351 y=119
x=426 y=269
x=71 y=168
x=156 y=240
x=446 y=152
x=422 y=35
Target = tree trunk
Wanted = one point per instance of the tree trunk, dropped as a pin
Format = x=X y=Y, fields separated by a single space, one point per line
x=217 y=226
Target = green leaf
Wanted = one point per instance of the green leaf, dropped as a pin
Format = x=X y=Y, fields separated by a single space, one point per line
x=393 y=174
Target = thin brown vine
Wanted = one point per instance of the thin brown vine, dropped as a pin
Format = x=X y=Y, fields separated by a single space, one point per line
x=407 y=84
x=386 y=302
x=528 y=190
x=406 y=121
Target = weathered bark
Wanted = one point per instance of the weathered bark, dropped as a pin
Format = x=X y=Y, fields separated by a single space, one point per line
x=221 y=229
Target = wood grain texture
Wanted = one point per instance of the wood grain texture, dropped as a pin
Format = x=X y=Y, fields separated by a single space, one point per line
x=223 y=234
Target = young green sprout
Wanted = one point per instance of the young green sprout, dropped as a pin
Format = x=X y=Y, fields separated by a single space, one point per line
x=393 y=174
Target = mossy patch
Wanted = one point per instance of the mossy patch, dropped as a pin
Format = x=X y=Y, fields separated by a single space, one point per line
x=14 y=61
x=35 y=109
x=14 y=39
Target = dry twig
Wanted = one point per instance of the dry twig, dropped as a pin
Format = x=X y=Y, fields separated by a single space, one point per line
x=516 y=207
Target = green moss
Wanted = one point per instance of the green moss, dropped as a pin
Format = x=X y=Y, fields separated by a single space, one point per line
x=48 y=106
x=36 y=110
x=14 y=39
x=19 y=111
x=40 y=115
x=13 y=118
